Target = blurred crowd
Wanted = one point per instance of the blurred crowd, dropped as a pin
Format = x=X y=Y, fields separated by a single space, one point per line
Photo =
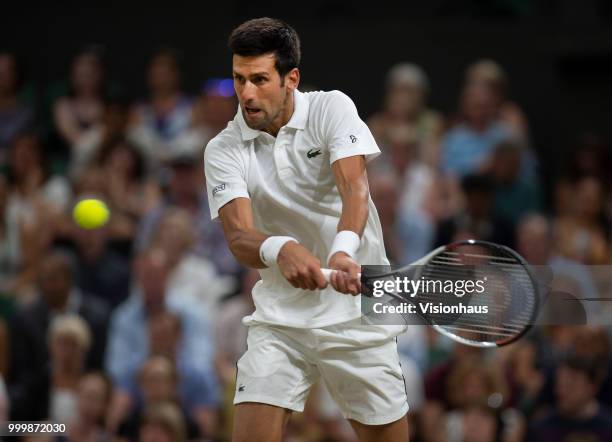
x=132 y=331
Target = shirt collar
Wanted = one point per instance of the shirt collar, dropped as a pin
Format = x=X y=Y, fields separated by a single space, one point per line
x=300 y=111
x=297 y=120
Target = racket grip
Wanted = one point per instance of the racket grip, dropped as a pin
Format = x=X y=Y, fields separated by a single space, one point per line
x=328 y=272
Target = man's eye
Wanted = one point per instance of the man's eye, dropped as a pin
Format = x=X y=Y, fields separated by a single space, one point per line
x=259 y=80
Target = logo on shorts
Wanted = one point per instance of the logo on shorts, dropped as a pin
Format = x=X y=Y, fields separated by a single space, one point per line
x=353 y=138
x=241 y=388
x=313 y=153
x=218 y=189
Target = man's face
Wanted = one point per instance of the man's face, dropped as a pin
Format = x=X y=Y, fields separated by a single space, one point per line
x=260 y=91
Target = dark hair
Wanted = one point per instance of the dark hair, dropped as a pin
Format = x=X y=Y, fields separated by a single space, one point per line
x=121 y=143
x=592 y=367
x=97 y=53
x=42 y=154
x=264 y=35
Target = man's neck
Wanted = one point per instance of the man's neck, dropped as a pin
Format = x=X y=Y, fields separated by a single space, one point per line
x=283 y=117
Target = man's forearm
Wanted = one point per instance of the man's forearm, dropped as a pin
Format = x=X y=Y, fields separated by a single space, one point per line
x=245 y=245
x=354 y=208
x=352 y=182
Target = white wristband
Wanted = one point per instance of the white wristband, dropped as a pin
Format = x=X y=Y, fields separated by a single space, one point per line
x=269 y=249
x=345 y=241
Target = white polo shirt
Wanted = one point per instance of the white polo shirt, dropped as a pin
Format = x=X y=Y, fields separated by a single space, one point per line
x=292 y=191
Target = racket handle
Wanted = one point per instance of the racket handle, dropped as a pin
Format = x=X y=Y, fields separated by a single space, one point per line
x=328 y=272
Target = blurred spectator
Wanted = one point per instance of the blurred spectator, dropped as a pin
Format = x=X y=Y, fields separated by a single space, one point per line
x=515 y=194
x=492 y=74
x=437 y=378
x=437 y=391
x=467 y=147
x=9 y=241
x=50 y=391
x=578 y=415
x=405 y=104
x=535 y=242
x=478 y=217
x=57 y=295
x=470 y=382
x=524 y=375
x=190 y=275
x=587 y=342
x=186 y=191
x=83 y=107
x=416 y=179
x=101 y=270
x=128 y=188
x=590 y=156
x=383 y=189
x=35 y=203
x=478 y=395
x=594 y=342
x=15 y=116
x=216 y=105
x=129 y=344
x=158 y=384
x=581 y=233
x=477 y=423
x=111 y=129
x=197 y=390
x=157 y=125
x=230 y=333
x=162 y=423
x=231 y=341
x=212 y=110
x=125 y=187
x=92 y=401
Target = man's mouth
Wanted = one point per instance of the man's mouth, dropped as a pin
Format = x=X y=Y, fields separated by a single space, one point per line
x=251 y=111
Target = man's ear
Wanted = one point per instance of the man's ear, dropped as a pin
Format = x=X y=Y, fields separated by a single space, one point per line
x=292 y=78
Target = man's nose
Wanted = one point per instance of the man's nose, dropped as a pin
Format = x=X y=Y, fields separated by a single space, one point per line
x=248 y=92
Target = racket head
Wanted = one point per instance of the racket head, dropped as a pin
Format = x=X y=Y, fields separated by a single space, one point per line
x=511 y=291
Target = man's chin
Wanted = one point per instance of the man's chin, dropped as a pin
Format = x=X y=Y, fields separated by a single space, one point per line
x=255 y=123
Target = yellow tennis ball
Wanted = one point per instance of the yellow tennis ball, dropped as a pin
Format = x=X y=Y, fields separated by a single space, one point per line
x=91 y=213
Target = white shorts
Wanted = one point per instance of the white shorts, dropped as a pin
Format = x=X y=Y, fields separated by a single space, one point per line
x=358 y=363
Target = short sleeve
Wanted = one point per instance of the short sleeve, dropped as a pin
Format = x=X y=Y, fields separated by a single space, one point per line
x=225 y=176
x=346 y=134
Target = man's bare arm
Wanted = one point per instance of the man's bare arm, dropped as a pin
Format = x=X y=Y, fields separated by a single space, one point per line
x=297 y=264
x=242 y=238
x=352 y=182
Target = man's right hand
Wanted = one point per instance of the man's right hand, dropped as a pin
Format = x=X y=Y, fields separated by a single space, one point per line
x=300 y=267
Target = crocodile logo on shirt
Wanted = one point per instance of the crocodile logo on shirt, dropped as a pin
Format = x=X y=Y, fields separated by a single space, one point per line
x=313 y=153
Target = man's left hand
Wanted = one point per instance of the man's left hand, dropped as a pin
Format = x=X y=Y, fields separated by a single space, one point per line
x=346 y=277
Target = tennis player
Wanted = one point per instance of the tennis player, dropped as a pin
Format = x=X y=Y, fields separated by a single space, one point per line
x=287 y=178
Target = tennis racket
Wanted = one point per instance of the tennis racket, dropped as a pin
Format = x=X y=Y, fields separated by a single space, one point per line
x=510 y=295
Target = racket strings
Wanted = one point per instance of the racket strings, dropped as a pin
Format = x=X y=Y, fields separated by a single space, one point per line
x=508 y=294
